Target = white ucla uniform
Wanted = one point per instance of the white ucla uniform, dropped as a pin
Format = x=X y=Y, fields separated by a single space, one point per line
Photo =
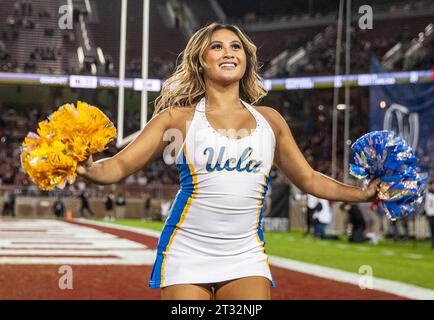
x=213 y=231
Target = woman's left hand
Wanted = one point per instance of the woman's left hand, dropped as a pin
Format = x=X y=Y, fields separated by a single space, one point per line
x=371 y=190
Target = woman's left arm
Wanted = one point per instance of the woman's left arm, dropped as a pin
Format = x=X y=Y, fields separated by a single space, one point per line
x=291 y=161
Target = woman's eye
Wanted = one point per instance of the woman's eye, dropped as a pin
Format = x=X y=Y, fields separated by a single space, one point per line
x=216 y=46
x=236 y=46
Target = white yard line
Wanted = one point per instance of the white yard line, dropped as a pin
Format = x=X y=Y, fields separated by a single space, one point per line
x=390 y=286
x=413 y=256
x=121 y=244
x=388 y=252
x=146 y=232
x=146 y=257
x=59 y=241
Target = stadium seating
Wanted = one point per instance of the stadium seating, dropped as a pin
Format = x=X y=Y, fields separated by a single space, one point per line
x=35 y=42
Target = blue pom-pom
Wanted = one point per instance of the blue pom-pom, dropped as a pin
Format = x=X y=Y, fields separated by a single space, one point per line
x=387 y=156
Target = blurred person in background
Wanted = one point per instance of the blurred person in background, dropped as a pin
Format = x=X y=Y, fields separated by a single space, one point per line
x=396 y=234
x=357 y=222
x=6 y=210
x=146 y=206
x=322 y=216
x=84 y=204
x=165 y=207
x=9 y=204
x=120 y=199
x=429 y=210
x=109 y=206
x=379 y=214
x=371 y=221
x=59 y=208
x=121 y=204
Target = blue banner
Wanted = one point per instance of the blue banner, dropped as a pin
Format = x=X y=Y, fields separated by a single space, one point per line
x=408 y=110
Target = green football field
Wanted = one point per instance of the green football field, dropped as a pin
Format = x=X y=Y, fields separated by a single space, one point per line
x=410 y=262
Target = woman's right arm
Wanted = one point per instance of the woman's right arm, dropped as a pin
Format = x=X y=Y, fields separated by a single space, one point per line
x=147 y=146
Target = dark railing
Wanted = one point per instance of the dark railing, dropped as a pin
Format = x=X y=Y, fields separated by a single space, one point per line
x=135 y=190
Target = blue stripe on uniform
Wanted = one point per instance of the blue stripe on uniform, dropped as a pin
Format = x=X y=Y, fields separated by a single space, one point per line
x=260 y=233
x=185 y=192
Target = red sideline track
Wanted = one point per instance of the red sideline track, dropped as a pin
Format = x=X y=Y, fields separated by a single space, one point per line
x=131 y=282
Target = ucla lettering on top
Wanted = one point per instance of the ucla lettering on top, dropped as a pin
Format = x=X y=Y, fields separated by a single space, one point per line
x=231 y=164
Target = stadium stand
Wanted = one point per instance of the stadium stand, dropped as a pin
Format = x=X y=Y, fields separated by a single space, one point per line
x=105 y=33
x=316 y=55
x=35 y=43
x=30 y=32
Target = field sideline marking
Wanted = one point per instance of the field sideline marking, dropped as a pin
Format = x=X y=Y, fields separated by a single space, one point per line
x=395 y=287
x=146 y=232
x=42 y=248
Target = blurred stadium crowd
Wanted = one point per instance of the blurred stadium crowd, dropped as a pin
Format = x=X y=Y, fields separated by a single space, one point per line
x=293 y=40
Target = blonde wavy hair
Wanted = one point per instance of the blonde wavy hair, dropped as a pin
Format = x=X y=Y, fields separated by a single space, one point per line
x=187 y=86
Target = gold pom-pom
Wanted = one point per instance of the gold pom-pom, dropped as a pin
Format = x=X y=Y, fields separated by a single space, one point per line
x=68 y=137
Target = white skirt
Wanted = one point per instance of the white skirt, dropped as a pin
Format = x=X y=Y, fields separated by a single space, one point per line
x=187 y=258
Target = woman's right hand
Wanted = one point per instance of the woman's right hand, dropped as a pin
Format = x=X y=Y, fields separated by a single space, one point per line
x=144 y=148
x=83 y=167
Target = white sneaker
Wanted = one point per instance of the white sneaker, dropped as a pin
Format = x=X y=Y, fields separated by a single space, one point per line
x=106 y=218
x=112 y=219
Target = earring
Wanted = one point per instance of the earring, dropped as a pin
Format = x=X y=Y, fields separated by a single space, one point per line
x=200 y=69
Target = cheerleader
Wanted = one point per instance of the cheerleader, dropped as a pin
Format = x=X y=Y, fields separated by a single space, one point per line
x=212 y=246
